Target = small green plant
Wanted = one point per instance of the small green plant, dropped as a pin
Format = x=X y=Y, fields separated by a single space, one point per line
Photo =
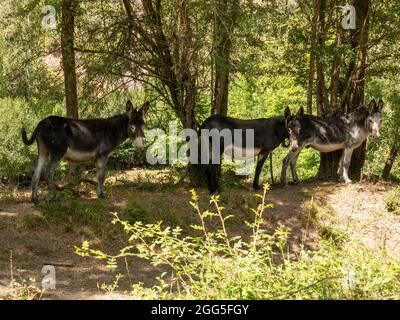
x=392 y=201
x=24 y=290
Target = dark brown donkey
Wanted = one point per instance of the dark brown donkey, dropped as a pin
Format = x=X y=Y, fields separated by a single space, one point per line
x=80 y=141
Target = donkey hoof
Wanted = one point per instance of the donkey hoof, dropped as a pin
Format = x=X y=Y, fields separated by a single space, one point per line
x=101 y=196
x=297 y=182
x=346 y=181
x=35 y=201
x=256 y=187
x=283 y=184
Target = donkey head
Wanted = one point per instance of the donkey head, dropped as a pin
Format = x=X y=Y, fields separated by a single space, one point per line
x=293 y=127
x=373 y=121
x=136 y=123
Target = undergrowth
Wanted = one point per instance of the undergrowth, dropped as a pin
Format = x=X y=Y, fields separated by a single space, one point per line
x=214 y=265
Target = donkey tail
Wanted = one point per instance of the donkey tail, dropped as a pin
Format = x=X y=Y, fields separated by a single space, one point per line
x=25 y=137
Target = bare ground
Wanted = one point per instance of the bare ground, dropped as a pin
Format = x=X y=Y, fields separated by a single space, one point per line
x=28 y=240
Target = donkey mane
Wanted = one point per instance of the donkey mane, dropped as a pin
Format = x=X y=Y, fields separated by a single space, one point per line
x=115 y=117
x=359 y=115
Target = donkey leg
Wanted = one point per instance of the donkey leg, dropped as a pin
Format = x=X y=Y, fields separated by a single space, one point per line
x=341 y=165
x=286 y=161
x=215 y=177
x=51 y=168
x=346 y=165
x=260 y=163
x=210 y=179
x=101 y=166
x=42 y=158
x=293 y=167
x=71 y=172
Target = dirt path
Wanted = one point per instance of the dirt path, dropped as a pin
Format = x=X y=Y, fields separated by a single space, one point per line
x=34 y=241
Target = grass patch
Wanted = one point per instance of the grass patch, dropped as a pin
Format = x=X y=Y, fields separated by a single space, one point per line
x=73 y=215
x=323 y=218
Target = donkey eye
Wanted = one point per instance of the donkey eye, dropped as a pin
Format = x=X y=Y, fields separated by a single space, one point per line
x=133 y=128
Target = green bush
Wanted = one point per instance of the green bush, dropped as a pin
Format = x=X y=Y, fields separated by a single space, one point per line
x=213 y=265
x=392 y=201
x=17 y=159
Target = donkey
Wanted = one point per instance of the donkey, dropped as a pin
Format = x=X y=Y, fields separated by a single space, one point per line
x=80 y=141
x=269 y=133
x=327 y=134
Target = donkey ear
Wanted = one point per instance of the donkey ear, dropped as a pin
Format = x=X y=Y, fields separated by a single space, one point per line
x=145 y=107
x=380 y=105
x=287 y=112
x=372 y=105
x=300 y=112
x=129 y=106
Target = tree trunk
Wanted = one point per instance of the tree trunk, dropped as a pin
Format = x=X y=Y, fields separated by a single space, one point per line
x=335 y=72
x=311 y=72
x=224 y=24
x=394 y=151
x=225 y=19
x=68 y=56
x=360 y=44
x=329 y=162
x=322 y=98
x=353 y=93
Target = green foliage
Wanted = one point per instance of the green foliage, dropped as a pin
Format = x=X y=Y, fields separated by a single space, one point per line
x=15 y=158
x=264 y=97
x=214 y=265
x=386 y=88
x=392 y=201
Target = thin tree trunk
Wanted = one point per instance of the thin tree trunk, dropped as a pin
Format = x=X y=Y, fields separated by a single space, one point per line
x=312 y=56
x=394 y=151
x=329 y=162
x=68 y=56
x=225 y=11
x=322 y=98
x=335 y=78
x=360 y=44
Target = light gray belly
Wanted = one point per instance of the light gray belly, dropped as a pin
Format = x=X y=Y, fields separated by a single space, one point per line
x=79 y=156
x=327 y=147
x=241 y=153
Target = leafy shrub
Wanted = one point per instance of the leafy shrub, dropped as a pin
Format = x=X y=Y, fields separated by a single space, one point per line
x=392 y=201
x=24 y=290
x=213 y=265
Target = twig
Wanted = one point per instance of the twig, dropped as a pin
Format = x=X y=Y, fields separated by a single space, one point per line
x=59 y=264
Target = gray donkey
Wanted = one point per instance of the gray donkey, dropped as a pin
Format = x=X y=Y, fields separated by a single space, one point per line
x=327 y=134
x=82 y=141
